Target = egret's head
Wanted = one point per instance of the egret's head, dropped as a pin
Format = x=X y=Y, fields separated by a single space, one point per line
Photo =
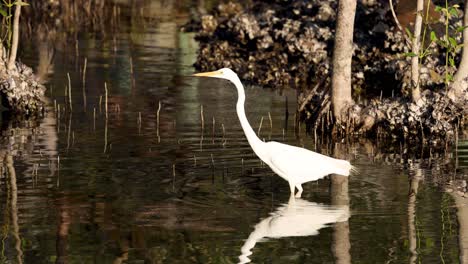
x=224 y=73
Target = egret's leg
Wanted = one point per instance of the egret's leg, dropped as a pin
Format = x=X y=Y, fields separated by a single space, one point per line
x=292 y=201
x=299 y=188
x=291 y=187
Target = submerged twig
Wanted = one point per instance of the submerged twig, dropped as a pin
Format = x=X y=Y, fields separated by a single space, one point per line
x=202 y=117
x=271 y=121
x=69 y=131
x=157 y=119
x=213 y=132
x=173 y=177
x=260 y=126
x=100 y=104
x=94 y=118
x=139 y=122
x=69 y=92
x=105 y=136
x=58 y=170
x=84 y=83
x=105 y=88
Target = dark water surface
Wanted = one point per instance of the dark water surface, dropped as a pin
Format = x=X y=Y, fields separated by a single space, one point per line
x=80 y=188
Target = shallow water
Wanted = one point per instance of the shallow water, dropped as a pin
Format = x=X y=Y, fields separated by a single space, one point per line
x=129 y=188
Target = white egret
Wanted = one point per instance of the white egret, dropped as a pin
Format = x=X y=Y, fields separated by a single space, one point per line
x=295 y=165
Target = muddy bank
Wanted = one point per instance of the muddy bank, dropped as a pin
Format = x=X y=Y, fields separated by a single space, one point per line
x=20 y=90
x=290 y=43
x=434 y=119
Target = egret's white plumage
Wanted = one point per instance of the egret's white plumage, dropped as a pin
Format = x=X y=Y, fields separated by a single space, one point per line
x=295 y=165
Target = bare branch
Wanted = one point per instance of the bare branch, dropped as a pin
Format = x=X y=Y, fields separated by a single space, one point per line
x=397 y=22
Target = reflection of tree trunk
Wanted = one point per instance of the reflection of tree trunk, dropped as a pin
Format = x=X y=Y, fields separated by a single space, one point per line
x=45 y=55
x=462 y=214
x=13 y=206
x=62 y=233
x=413 y=191
x=49 y=138
x=124 y=252
x=340 y=196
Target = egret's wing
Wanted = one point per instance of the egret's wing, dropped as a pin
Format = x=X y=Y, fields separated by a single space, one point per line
x=302 y=164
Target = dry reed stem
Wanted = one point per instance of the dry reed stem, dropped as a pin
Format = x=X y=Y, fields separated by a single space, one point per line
x=260 y=126
x=105 y=88
x=84 y=83
x=69 y=92
x=202 y=117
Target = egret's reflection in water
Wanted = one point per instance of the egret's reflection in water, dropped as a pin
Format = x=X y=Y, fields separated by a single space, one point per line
x=296 y=218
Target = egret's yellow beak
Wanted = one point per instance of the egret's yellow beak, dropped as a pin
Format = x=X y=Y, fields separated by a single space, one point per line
x=208 y=74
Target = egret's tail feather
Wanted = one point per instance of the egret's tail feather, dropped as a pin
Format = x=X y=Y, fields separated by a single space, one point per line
x=344 y=168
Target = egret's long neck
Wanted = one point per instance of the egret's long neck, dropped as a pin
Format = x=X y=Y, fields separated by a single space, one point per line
x=254 y=141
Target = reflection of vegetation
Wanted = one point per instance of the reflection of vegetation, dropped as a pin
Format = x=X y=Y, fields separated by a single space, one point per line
x=446 y=227
x=462 y=154
x=11 y=207
x=6 y=222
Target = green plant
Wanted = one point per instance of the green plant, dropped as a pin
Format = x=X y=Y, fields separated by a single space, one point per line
x=425 y=51
x=449 y=42
x=6 y=9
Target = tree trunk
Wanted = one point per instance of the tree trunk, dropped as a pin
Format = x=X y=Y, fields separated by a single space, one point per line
x=415 y=91
x=342 y=56
x=14 y=43
x=460 y=80
x=3 y=58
